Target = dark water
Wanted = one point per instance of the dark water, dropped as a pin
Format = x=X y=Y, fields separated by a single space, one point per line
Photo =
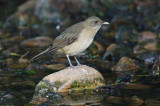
x=18 y=79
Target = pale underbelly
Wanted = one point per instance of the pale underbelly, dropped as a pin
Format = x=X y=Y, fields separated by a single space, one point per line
x=77 y=47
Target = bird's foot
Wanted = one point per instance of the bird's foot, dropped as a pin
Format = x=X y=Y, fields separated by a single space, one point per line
x=73 y=67
x=79 y=64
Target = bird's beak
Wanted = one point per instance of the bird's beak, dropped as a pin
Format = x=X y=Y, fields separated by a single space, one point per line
x=105 y=23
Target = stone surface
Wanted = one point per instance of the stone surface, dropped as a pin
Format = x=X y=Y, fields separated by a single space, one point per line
x=41 y=41
x=55 y=66
x=145 y=35
x=134 y=101
x=125 y=64
x=69 y=80
x=147 y=45
x=109 y=50
x=77 y=78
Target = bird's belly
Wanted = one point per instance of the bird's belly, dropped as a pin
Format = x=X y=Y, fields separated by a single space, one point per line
x=77 y=47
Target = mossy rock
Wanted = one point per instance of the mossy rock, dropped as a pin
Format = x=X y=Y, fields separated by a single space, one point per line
x=71 y=79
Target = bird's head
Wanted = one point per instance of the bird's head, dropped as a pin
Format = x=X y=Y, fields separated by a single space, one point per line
x=94 y=22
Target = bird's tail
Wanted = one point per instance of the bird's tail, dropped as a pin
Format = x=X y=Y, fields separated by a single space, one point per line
x=49 y=49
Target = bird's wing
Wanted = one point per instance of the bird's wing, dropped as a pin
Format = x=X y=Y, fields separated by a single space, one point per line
x=69 y=36
x=66 y=38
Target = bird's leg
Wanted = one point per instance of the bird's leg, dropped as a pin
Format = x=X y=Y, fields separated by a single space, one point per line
x=69 y=60
x=77 y=61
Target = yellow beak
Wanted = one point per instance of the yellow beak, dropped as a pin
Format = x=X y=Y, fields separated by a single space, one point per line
x=105 y=23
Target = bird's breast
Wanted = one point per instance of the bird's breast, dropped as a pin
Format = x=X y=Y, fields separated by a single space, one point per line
x=85 y=38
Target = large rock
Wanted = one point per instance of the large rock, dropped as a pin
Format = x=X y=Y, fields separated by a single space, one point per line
x=70 y=79
x=77 y=78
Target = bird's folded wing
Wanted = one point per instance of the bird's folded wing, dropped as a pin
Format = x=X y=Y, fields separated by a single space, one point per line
x=69 y=36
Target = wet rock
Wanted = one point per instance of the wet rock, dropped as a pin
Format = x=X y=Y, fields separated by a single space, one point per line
x=99 y=46
x=4 y=80
x=14 y=39
x=9 y=61
x=1 y=47
x=110 y=50
x=77 y=78
x=55 y=66
x=7 y=98
x=24 y=84
x=148 y=57
x=105 y=64
x=33 y=66
x=145 y=35
x=41 y=100
x=152 y=45
x=125 y=64
x=14 y=54
x=71 y=99
x=96 y=48
x=134 y=101
x=147 y=45
x=135 y=86
x=152 y=102
x=37 y=42
x=113 y=100
x=18 y=66
x=23 y=61
x=146 y=2
x=12 y=51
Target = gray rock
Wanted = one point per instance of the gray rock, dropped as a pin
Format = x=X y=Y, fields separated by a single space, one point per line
x=77 y=78
x=70 y=79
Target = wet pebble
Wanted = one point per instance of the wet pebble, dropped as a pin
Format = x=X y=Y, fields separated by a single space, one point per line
x=9 y=61
x=55 y=66
x=147 y=45
x=148 y=57
x=4 y=80
x=11 y=40
x=1 y=48
x=99 y=46
x=125 y=64
x=37 y=42
x=7 y=98
x=24 y=84
x=23 y=61
x=18 y=66
x=134 y=101
x=110 y=50
x=146 y=35
x=152 y=102
x=113 y=100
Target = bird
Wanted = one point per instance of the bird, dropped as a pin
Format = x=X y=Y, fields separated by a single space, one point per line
x=75 y=39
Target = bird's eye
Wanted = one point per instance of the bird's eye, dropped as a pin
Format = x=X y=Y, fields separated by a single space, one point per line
x=96 y=22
